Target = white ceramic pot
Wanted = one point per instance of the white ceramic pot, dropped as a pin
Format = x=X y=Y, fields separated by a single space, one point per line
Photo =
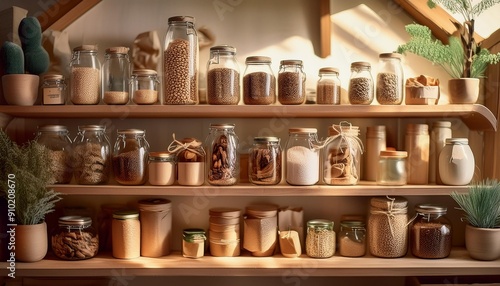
x=456 y=162
x=463 y=90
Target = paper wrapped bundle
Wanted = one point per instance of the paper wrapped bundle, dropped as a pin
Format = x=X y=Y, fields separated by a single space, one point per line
x=422 y=90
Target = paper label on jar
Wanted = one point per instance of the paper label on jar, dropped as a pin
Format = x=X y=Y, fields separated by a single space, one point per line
x=458 y=153
x=52 y=95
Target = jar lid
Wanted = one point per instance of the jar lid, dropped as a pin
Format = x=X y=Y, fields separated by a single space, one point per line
x=161 y=155
x=291 y=62
x=190 y=234
x=390 y=55
x=394 y=154
x=74 y=220
x=222 y=125
x=52 y=128
x=430 y=209
x=92 y=127
x=385 y=202
x=143 y=72
x=86 y=48
x=187 y=19
x=155 y=204
x=223 y=48
x=352 y=224
x=302 y=130
x=126 y=214
x=131 y=131
x=320 y=223
x=460 y=141
x=258 y=60
x=117 y=50
x=266 y=139
x=262 y=211
x=360 y=64
x=224 y=212
x=328 y=70
x=441 y=124
x=53 y=76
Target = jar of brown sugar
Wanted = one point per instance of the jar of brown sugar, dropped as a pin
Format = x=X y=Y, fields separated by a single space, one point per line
x=130 y=157
x=352 y=238
x=144 y=85
x=115 y=76
x=85 y=75
x=223 y=76
x=291 y=82
x=259 y=83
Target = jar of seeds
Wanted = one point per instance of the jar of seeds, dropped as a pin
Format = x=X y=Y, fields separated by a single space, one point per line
x=75 y=238
x=85 y=75
x=302 y=157
x=390 y=79
x=144 y=85
x=361 y=84
x=320 y=238
x=53 y=89
x=115 y=76
x=259 y=83
x=55 y=138
x=352 y=238
x=222 y=155
x=130 y=157
x=388 y=227
x=328 y=86
x=291 y=83
x=180 y=61
x=223 y=76
x=264 y=163
x=91 y=155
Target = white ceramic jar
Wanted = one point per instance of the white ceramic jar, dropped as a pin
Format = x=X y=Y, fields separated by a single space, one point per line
x=456 y=162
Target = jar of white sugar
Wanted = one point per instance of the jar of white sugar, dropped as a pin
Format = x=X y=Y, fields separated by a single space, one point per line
x=223 y=76
x=115 y=76
x=264 y=162
x=222 y=155
x=85 y=75
x=130 y=157
x=302 y=157
x=144 y=85
x=55 y=138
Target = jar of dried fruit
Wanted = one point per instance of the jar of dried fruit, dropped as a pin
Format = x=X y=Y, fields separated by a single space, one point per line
x=291 y=82
x=223 y=76
x=130 y=157
x=361 y=84
x=259 y=83
x=55 y=138
x=115 y=76
x=75 y=238
x=222 y=155
x=85 y=75
x=264 y=164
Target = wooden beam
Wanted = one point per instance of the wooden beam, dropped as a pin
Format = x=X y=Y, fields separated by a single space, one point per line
x=325 y=26
x=60 y=15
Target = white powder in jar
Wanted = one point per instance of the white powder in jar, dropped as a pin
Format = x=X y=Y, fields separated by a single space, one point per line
x=302 y=166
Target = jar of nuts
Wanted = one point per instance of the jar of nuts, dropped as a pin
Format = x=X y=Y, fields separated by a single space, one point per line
x=223 y=76
x=222 y=155
x=361 y=84
x=291 y=82
x=75 y=238
x=259 y=83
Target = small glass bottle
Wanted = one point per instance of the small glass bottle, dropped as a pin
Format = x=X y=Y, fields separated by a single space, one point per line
x=320 y=238
x=417 y=143
x=75 y=238
x=222 y=155
x=126 y=234
x=190 y=162
x=302 y=157
x=116 y=76
x=361 y=84
x=55 y=138
x=352 y=238
x=264 y=163
x=375 y=142
x=392 y=168
x=85 y=75
x=144 y=86
x=156 y=227
x=53 y=89
x=430 y=232
x=130 y=157
x=456 y=162
x=328 y=86
x=291 y=82
x=193 y=242
x=259 y=83
x=223 y=76
x=161 y=168
x=91 y=155
x=441 y=130
x=390 y=79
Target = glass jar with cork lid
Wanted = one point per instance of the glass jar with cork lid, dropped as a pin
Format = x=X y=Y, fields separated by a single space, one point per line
x=223 y=76
x=85 y=76
x=361 y=84
x=115 y=76
x=390 y=79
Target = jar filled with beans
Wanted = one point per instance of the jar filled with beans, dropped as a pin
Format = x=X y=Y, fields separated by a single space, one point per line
x=390 y=79
x=223 y=76
x=144 y=85
x=91 y=155
x=291 y=83
x=328 y=86
x=75 y=238
x=259 y=83
x=130 y=157
x=361 y=84
x=85 y=75
x=320 y=238
x=264 y=164
x=115 y=76
x=222 y=155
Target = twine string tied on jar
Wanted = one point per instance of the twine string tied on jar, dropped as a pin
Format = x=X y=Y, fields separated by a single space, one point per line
x=177 y=146
x=391 y=213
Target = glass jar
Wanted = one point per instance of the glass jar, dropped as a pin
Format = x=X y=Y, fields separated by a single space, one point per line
x=375 y=142
x=126 y=234
x=342 y=155
x=328 y=86
x=144 y=85
x=85 y=75
x=361 y=84
x=193 y=242
x=180 y=64
x=441 y=130
x=259 y=83
x=223 y=76
x=116 y=76
x=161 y=168
x=302 y=156
x=222 y=155
x=320 y=238
x=417 y=143
x=392 y=168
x=75 y=238
x=264 y=164
x=291 y=82
x=390 y=79
x=130 y=157
x=430 y=232
x=190 y=161
x=456 y=162
x=55 y=138
x=352 y=238
x=53 y=89
x=91 y=155
x=156 y=227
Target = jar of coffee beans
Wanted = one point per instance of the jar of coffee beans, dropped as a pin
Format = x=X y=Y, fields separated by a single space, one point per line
x=352 y=238
x=180 y=61
x=390 y=79
x=223 y=76
x=130 y=157
x=91 y=155
x=264 y=164
x=291 y=83
x=75 y=238
x=144 y=85
x=328 y=86
x=361 y=84
x=430 y=232
x=85 y=75
x=302 y=157
x=115 y=76
x=259 y=83
x=222 y=155
x=55 y=138
x=320 y=238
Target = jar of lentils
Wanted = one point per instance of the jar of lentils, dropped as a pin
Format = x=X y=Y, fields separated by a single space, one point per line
x=302 y=157
x=91 y=155
x=144 y=85
x=259 y=83
x=55 y=138
x=75 y=238
x=85 y=75
x=390 y=79
x=352 y=238
x=115 y=76
x=320 y=238
x=264 y=164
x=130 y=157
x=223 y=76
x=222 y=155
x=53 y=89
x=430 y=232
x=291 y=83
x=328 y=86
x=361 y=84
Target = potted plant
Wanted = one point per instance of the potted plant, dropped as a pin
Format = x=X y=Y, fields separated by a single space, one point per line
x=482 y=213
x=22 y=66
x=462 y=58
x=25 y=178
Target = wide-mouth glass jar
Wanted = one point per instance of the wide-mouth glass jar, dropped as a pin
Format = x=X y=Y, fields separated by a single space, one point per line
x=130 y=157
x=320 y=238
x=291 y=82
x=75 y=238
x=352 y=238
x=264 y=163
x=144 y=86
x=223 y=76
x=302 y=156
x=361 y=84
x=56 y=139
x=259 y=82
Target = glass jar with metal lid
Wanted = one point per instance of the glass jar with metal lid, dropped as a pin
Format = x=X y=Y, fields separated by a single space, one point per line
x=75 y=238
x=161 y=168
x=361 y=84
x=430 y=232
x=302 y=156
x=320 y=238
x=223 y=76
x=264 y=164
x=352 y=238
x=291 y=82
x=392 y=168
x=390 y=79
x=53 y=89
x=328 y=86
x=55 y=138
x=85 y=75
x=222 y=155
x=144 y=86
x=130 y=157
x=126 y=234
x=116 y=76
x=259 y=83
x=193 y=242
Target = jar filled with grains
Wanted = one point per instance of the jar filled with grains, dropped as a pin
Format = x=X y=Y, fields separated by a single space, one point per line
x=180 y=61
x=144 y=85
x=75 y=238
x=320 y=238
x=222 y=155
x=302 y=157
x=190 y=161
x=223 y=76
x=291 y=83
x=53 y=89
x=259 y=83
x=392 y=168
x=126 y=234
x=85 y=75
x=390 y=79
x=115 y=76
x=361 y=84
x=328 y=86
x=264 y=164
x=161 y=168
x=91 y=155
x=55 y=138
x=130 y=157
x=193 y=242
x=352 y=238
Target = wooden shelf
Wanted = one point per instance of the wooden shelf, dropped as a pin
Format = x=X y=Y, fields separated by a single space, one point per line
x=458 y=263
x=475 y=116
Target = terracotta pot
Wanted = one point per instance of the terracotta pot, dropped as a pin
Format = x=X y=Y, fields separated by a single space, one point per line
x=31 y=242
x=482 y=243
x=463 y=90
x=20 y=89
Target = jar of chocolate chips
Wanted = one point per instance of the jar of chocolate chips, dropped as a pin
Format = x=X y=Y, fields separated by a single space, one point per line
x=291 y=82
x=223 y=76
x=222 y=155
x=130 y=157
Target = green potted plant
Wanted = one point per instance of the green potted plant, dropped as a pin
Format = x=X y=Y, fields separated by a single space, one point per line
x=462 y=58
x=481 y=205
x=25 y=177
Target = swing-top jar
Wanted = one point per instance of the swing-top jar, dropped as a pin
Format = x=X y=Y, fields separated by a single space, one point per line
x=259 y=83
x=91 y=155
x=291 y=82
x=85 y=75
x=264 y=162
x=390 y=79
x=328 y=86
x=130 y=157
x=302 y=157
x=75 y=238
x=222 y=155
x=361 y=84
x=144 y=86
x=55 y=138
x=115 y=76
x=223 y=76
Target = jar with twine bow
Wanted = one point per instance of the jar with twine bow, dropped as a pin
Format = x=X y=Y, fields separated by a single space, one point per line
x=388 y=227
x=190 y=161
x=342 y=155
